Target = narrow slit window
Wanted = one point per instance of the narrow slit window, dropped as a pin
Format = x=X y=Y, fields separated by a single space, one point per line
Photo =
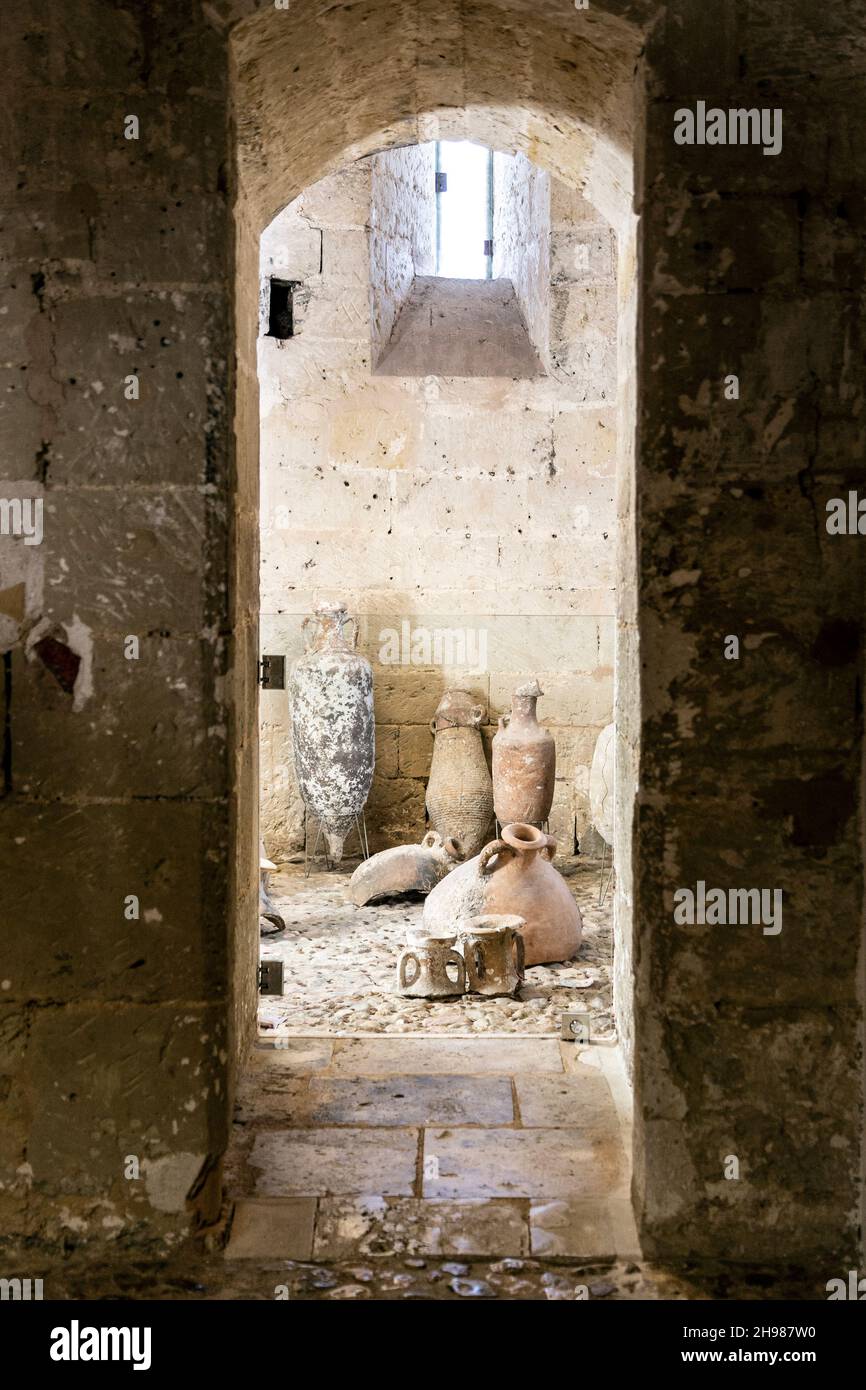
x=464 y=210
x=281 y=321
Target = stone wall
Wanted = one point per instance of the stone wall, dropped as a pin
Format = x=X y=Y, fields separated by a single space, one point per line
x=114 y=823
x=115 y=1032
x=477 y=509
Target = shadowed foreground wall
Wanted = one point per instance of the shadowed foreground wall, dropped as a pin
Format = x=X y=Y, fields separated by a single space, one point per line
x=117 y=780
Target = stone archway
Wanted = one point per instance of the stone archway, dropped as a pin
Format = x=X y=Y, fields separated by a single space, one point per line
x=574 y=108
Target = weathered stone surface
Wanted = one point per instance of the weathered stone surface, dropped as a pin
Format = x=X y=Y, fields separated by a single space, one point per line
x=580 y=1100
x=411 y=1100
x=745 y=266
x=347 y=1229
x=577 y=1228
x=293 y=1055
x=311 y=1161
x=518 y=1163
x=360 y=1057
x=279 y=1227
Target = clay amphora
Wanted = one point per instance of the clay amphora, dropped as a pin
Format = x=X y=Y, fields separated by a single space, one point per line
x=493 y=950
x=524 y=762
x=333 y=736
x=404 y=869
x=459 y=792
x=422 y=971
x=512 y=875
x=601 y=782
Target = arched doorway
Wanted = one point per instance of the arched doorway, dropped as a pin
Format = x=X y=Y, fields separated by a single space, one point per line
x=574 y=112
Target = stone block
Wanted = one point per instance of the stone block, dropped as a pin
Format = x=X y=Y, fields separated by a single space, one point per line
x=153 y=241
x=533 y=1163
x=580 y=1229
x=143 y=1080
x=272 y=1228
x=387 y=751
x=81 y=944
x=511 y=439
x=406 y=1100
x=167 y=732
x=416 y=750
x=341 y=200
x=299 y=1055
x=583 y=256
x=291 y=249
x=312 y=1162
x=570 y=699
x=445 y=1056
x=173 y=344
x=580 y=1100
x=348 y=1229
x=298 y=497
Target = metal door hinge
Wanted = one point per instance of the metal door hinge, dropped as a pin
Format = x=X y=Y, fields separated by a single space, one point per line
x=441 y=182
x=272 y=673
x=270 y=977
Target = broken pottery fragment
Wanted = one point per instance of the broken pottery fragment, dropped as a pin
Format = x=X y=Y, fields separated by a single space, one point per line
x=267 y=911
x=512 y=875
x=459 y=791
x=333 y=735
x=524 y=762
x=404 y=869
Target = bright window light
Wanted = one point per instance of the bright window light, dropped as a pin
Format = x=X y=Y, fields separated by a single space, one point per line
x=464 y=211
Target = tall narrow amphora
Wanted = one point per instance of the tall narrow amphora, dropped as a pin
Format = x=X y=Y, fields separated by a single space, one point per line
x=459 y=792
x=524 y=762
x=333 y=733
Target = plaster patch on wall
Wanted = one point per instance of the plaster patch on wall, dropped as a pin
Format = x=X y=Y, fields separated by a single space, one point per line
x=169 y=1179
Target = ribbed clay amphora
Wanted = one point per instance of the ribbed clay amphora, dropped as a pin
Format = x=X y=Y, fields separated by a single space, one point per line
x=459 y=792
x=333 y=736
x=524 y=762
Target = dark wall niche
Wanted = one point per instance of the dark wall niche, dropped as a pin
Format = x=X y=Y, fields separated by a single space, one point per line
x=281 y=321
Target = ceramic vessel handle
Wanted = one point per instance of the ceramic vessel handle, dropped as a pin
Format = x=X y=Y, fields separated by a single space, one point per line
x=308 y=642
x=354 y=622
x=455 y=958
x=504 y=721
x=476 y=714
x=548 y=849
x=431 y=839
x=521 y=954
x=495 y=847
x=404 y=961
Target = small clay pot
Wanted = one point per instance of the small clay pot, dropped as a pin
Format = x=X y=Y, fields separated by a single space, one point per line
x=422 y=971
x=494 y=953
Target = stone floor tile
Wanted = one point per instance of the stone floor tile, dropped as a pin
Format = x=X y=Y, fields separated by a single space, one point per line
x=409 y=1100
x=293 y=1054
x=364 y=1227
x=534 y=1163
x=446 y=1056
x=313 y=1162
x=579 y=1228
x=268 y=1097
x=576 y=1101
x=279 y=1227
